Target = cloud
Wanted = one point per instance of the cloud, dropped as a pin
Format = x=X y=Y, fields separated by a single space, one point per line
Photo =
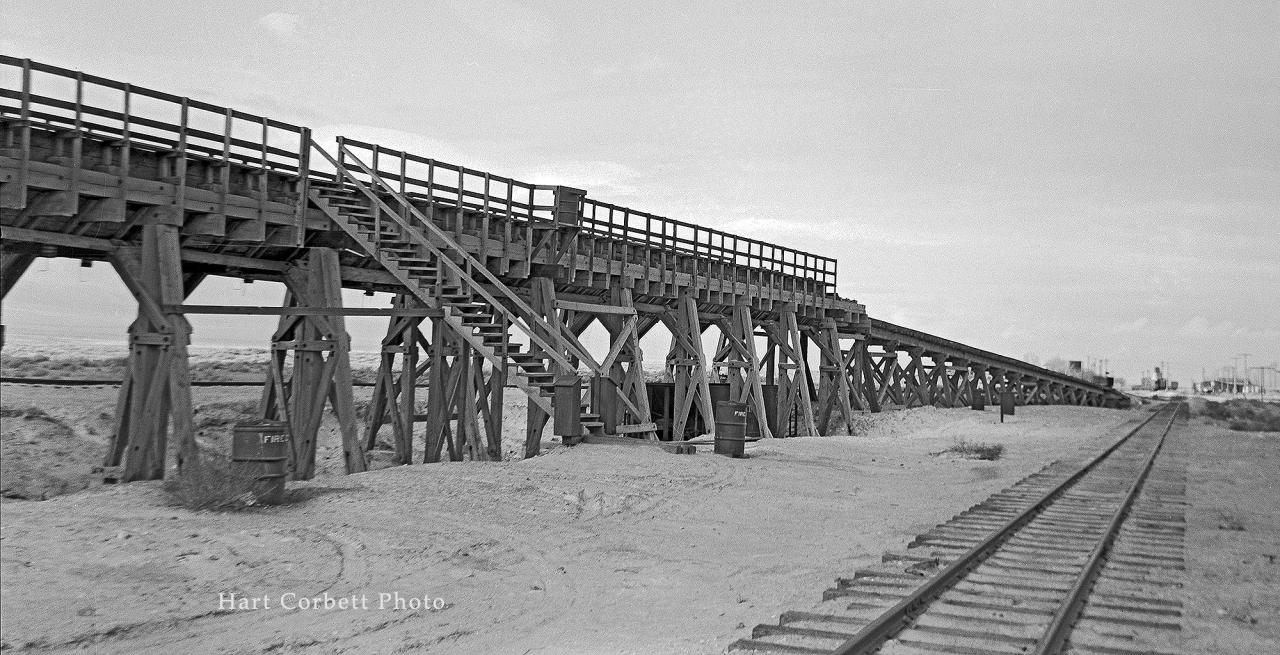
x=415 y=144
x=1135 y=325
x=1200 y=328
x=509 y=24
x=603 y=180
x=283 y=26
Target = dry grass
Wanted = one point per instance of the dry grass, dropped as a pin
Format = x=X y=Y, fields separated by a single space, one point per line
x=212 y=483
x=975 y=450
x=1230 y=520
x=1244 y=415
x=235 y=366
x=43 y=366
x=31 y=413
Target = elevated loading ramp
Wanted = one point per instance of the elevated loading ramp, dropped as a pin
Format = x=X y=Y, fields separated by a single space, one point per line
x=186 y=189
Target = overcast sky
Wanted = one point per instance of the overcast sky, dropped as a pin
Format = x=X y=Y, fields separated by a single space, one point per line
x=1051 y=178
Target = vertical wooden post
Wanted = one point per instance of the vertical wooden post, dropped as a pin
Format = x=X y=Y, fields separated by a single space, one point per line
x=687 y=365
x=913 y=378
x=890 y=375
x=995 y=384
x=157 y=378
x=439 y=396
x=978 y=386
x=542 y=299
x=833 y=379
x=793 y=372
x=751 y=389
x=13 y=194
x=625 y=391
x=301 y=400
x=395 y=400
x=864 y=378
x=408 y=383
x=491 y=409
x=468 y=365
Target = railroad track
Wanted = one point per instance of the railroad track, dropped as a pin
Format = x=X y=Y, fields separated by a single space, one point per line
x=1072 y=559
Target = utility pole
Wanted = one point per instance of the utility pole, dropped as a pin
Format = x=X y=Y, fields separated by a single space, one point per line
x=1245 y=356
x=1262 y=376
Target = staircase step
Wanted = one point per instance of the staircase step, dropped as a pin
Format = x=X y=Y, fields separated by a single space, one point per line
x=385 y=234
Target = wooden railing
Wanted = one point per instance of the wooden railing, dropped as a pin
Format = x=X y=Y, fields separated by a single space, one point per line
x=434 y=181
x=134 y=117
x=469 y=272
x=616 y=222
x=144 y=118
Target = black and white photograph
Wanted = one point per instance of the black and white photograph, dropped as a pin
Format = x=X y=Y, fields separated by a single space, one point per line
x=539 y=327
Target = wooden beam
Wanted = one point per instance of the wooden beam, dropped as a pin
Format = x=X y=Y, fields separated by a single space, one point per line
x=306 y=311
x=595 y=309
x=12 y=266
x=157 y=382
x=316 y=378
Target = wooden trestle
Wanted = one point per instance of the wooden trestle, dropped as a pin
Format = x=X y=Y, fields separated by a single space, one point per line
x=483 y=268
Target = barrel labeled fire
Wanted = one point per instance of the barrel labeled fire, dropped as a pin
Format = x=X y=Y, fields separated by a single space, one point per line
x=260 y=449
x=731 y=428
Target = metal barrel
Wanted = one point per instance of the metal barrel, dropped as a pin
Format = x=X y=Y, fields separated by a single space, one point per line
x=731 y=428
x=753 y=424
x=261 y=449
x=1006 y=403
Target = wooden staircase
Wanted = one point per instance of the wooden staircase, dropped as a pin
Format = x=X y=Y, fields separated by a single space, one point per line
x=443 y=275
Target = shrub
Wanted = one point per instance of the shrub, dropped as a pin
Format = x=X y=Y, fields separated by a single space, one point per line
x=1230 y=520
x=971 y=450
x=212 y=482
x=1244 y=415
x=30 y=413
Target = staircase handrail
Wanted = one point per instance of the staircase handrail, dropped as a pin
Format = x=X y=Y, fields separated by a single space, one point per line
x=517 y=318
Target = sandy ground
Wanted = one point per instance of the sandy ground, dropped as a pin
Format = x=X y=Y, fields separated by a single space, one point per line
x=51 y=437
x=1233 y=541
x=590 y=549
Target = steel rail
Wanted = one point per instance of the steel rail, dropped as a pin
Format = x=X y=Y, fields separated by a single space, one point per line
x=872 y=635
x=1055 y=635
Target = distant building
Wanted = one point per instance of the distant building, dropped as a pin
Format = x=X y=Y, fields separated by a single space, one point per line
x=1229 y=385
